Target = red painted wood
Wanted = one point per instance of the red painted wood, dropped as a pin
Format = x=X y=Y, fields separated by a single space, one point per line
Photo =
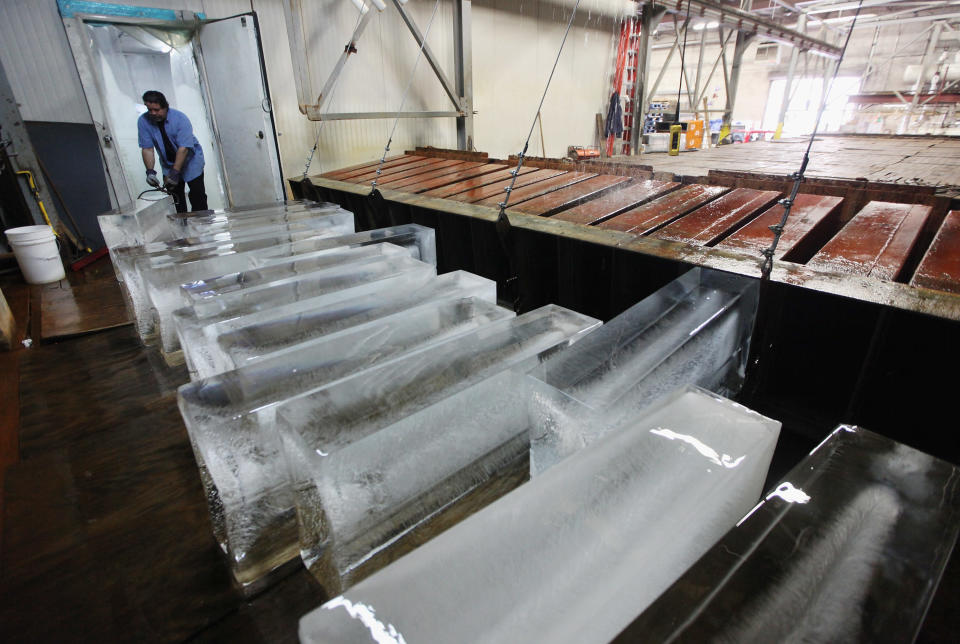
x=877 y=242
x=940 y=268
x=474 y=170
x=476 y=182
x=710 y=223
x=417 y=167
x=613 y=203
x=813 y=220
x=660 y=212
x=395 y=181
x=571 y=196
x=343 y=175
x=495 y=190
x=519 y=195
x=335 y=174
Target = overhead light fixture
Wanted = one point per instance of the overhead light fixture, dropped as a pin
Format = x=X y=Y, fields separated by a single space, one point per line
x=699 y=26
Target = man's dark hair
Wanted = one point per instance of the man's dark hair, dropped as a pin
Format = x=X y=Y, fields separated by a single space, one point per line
x=153 y=96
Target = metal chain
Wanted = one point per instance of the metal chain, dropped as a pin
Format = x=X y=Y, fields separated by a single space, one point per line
x=336 y=81
x=403 y=100
x=767 y=266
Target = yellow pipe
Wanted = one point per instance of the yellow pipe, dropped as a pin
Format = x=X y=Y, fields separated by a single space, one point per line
x=36 y=195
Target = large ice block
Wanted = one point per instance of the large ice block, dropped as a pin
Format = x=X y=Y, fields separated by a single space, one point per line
x=203 y=224
x=165 y=274
x=848 y=548
x=379 y=497
x=318 y=425
x=231 y=341
x=230 y=419
x=575 y=554
x=695 y=330
x=130 y=227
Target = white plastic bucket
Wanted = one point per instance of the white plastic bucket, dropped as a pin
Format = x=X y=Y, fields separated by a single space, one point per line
x=36 y=250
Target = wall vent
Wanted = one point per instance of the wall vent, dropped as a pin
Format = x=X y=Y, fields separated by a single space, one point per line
x=768 y=53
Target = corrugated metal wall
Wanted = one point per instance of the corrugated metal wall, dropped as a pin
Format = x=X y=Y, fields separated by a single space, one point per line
x=514 y=44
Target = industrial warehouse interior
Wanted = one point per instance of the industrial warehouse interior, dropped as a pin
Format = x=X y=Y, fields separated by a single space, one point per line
x=479 y=320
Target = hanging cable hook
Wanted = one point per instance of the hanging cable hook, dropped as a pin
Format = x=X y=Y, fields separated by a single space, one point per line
x=777 y=229
x=503 y=222
x=403 y=100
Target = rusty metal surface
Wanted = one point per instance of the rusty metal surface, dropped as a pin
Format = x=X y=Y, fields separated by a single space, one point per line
x=940 y=268
x=393 y=162
x=438 y=169
x=554 y=202
x=813 y=220
x=495 y=190
x=894 y=294
x=658 y=213
x=877 y=242
x=476 y=182
x=712 y=222
x=397 y=172
x=613 y=203
x=461 y=173
x=519 y=195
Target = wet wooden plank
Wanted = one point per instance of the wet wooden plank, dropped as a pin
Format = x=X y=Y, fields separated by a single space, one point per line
x=877 y=242
x=496 y=189
x=416 y=173
x=452 y=167
x=660 y=212
x=477 y=182
x=478 y=170
x=613 y=203
x=417 y=167
x=571 y=196
x=813 y=220
x=710 y=223
x=940 y=268
x=524 y=193
x=81 y=308
x=363 y=168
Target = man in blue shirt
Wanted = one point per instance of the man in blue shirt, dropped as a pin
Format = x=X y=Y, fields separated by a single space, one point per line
x=181 y=157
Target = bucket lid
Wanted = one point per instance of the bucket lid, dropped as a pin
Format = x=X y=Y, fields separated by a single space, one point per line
x=27 y=233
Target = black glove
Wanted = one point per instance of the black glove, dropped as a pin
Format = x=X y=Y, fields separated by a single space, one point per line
x=172 y=178
x=152 y=178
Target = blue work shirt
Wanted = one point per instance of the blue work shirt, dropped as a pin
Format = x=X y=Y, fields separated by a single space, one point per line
x=180 y=132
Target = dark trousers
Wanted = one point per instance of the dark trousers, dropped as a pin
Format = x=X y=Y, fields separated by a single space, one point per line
x=198 y=195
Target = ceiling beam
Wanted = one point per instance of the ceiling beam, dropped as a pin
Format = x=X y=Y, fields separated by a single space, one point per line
x=749 y=23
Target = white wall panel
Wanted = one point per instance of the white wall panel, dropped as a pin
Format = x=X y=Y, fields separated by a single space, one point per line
x=37 y=59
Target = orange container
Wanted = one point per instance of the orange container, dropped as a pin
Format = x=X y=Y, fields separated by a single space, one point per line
x=694 y=134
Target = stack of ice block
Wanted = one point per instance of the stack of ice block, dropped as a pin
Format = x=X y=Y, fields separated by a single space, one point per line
x=848 y=548
x=695 y=330
x=575 y=554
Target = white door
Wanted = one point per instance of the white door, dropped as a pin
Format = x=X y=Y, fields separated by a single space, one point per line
x=231 y=62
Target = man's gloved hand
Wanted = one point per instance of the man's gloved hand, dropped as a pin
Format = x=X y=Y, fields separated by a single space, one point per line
x=172 y=178
x=152 y=178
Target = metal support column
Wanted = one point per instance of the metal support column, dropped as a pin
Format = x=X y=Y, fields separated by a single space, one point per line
x=743 y=42
x=791 y=69
x=649 y=19
x=925 y=69
x=463 y=70
x=696 y=84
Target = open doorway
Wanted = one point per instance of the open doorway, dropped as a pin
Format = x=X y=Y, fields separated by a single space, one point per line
x=131 y=60
x=805 y=98
x=212 y=70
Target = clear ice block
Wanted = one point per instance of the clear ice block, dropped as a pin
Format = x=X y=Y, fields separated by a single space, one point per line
x=339 y=222
x=848 y=548
x=130 y=227
x=231 y=222
x=230 y=419
x=318 y=425
x=575 y=554
x=231 y=340
x=377 y=497
x=695 y=330
x=165 y=274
